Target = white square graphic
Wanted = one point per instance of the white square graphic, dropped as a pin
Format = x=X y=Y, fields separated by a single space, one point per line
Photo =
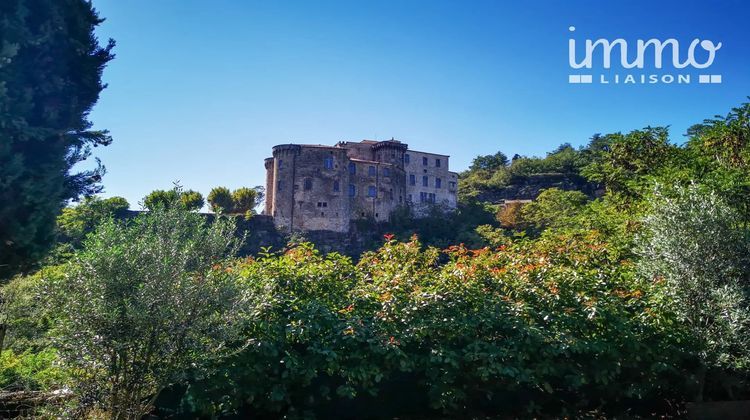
x=704 y=78
x=574 y=78
x=715 y=78
x=587 y=78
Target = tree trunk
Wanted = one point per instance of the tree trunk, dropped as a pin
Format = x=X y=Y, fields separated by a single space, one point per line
x=701 y=384
x=3 y=328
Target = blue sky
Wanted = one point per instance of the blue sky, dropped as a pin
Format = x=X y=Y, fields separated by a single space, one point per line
x=200 y=91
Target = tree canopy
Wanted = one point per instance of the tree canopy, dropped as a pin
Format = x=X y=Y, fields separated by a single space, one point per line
x=50 y=79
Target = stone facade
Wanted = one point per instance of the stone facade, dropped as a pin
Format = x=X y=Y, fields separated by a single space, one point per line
x=316 y=187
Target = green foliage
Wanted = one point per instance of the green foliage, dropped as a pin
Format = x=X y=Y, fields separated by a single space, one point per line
x=554 y=207
x=630 y=160
x=143 y=303
x=489 y=162
x=244 y=200
x=718 y=155
x=50 y=79
x=160 y=199
x=695 y=247
x=77 y=221
x=221 y=201
x=31 y=371
x=494 y=172
x=189 y=199
x=192 y=200
x=556 y=325
x=25 y=312
x=439 y=227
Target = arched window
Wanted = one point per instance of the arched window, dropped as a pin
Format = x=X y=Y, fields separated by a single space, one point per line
x=308 y=184
x=352 y=190
x=352 y=168
x=328 y=162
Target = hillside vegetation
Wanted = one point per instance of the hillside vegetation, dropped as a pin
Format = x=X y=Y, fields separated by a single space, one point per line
x=626 y=303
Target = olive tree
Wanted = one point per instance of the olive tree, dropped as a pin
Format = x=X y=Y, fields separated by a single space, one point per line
x=144 y=304
x=695 y=243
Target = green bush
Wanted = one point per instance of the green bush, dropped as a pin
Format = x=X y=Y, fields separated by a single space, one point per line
x=556 y=326
x=31 y=371
x=221 y=201
x=143 y=303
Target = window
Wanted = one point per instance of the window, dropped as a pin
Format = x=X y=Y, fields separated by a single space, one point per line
x=409 y=198
x=412 y=179
x=437 y=163
x=424 y=161
x=452 y=184
x=281 y=163
x=371 y=171
x=352 y=190
x=386 y=172
x=422 y=197
x=438 y=183
x=280 y=186
x=328 y=162
x=431 y=198
x=352 y=168
x=308 y=184
x=425 y=181
x=322 y=204
x=372 y=191
x=407 y=158
x=336 y=187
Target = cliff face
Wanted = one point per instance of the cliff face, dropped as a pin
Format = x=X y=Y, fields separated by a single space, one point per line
x=528 y=188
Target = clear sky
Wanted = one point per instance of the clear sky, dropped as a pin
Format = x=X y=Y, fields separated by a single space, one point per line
x=200 y=91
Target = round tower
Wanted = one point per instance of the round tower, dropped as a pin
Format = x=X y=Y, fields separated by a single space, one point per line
x=269 y=164
x=391 y=180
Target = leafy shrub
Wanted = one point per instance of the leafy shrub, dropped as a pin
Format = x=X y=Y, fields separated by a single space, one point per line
x=25 y=313
x=31 y=371
x=556 y=325
x=509 y=215
x=75 y=222
x=189 y=199
x=695 y=245
x=143 y=303
x=554 y=207
x=192 y=200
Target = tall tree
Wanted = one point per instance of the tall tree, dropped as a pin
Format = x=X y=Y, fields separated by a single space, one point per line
x=50 y=78
x=220 y=200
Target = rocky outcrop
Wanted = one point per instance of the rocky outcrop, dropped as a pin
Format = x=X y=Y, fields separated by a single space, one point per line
x=529 y=187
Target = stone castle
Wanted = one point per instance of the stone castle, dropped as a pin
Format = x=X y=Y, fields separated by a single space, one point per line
x=317 y=187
